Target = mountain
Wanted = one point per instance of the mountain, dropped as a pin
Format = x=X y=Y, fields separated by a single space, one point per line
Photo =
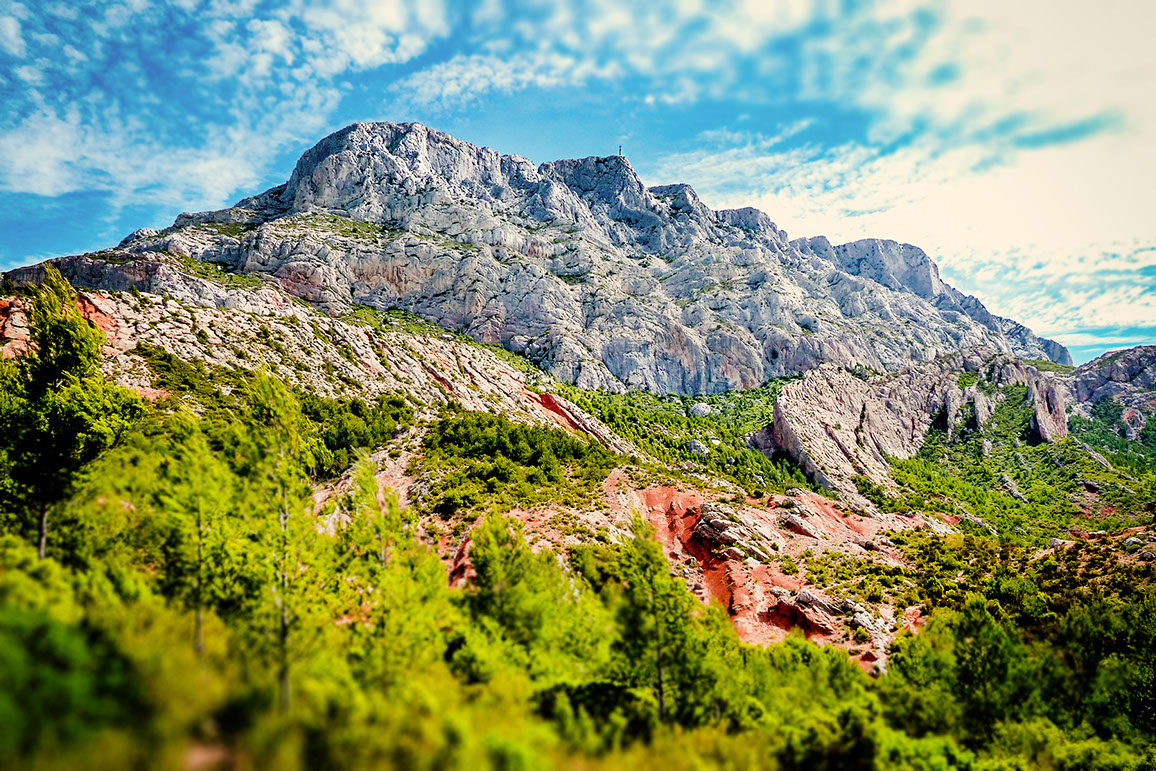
x=575 y=264
x=435 y=458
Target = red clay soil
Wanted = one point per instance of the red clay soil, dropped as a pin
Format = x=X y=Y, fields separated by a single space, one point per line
x=550 y=407
x=449 y=388
x=913 y=619
x=746 y=588
x=152 y=394
x=760 y=598
x=90 y=309
x=461 y=569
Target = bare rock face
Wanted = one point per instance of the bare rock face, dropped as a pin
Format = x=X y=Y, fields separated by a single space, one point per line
x=599 y=280
x=1127 y=377
x=903 y=267
x=838 y=427
x=337 y=358
x=1049 y=398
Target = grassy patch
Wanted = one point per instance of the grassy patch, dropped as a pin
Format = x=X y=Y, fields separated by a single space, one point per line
x=211 y=271
x=338 y=225
x=477 y=462
x=230 y=229
x=1043 y=365
x=662 y=426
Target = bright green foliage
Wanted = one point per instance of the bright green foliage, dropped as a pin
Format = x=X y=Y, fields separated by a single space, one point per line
x=480 y=459
x=195 y=602
x=661 y=426
x=345 y=425
x=527 y=611
x=396 y=596
x=956 y=477
x=662 y=650
x=1104 y=431
x=1086 y=680
x=178 y=376
x=63 y=342
x=62 y=683
x=864 y=580
x=56 y=413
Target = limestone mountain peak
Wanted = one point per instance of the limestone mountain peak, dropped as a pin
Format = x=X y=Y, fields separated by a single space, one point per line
x=578 y=265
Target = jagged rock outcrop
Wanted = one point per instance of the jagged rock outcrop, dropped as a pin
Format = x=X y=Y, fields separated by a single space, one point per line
x=903 y=267
x=1127 y=377
x=598 y=279
x=838 y=427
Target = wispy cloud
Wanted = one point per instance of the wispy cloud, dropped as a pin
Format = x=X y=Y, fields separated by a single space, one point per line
x=11 y=39
x=184 y=128
x=464 y=80
x=682 y=50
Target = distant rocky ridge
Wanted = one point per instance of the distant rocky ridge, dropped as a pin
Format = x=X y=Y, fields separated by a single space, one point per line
x=838 y=427
x=1128 y=377
x=597 y=279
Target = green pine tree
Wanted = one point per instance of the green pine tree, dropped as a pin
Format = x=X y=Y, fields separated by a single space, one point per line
x=58 y=412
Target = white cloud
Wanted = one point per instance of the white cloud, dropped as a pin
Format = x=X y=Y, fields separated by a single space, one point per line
x=38 y=153
x=272 y=37
x=465 y=79
x=31 y=74
x=690 y=49
x=251 y=84
x=11 y=39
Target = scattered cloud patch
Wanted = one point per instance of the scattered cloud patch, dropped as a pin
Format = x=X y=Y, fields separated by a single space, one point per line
x=133 y=105
x=11 y=39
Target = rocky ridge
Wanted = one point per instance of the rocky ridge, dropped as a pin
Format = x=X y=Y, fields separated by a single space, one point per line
x=333 y=357
x=599 y=280
x=837 y=426
x=1127 y=377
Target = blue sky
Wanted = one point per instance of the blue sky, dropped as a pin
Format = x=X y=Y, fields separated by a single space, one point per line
x=1014 y=141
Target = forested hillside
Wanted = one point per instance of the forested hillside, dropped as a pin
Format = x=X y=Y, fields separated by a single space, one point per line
x=220 y=578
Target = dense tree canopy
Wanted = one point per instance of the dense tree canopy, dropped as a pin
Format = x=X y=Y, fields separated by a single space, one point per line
x=194 y=602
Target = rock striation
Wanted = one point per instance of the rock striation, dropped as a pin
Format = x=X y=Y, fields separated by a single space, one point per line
x=333 y=357
x=601 y=281
x=838 y=427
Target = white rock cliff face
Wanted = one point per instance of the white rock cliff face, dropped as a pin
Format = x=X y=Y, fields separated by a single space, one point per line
x=1127 y=377
x=838 y=427
x=596 y=278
